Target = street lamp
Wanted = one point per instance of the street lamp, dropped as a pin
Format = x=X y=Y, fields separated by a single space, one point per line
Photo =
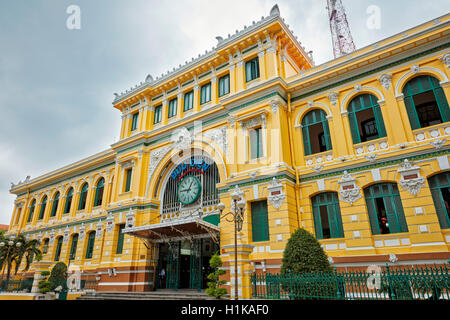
x=236 y=216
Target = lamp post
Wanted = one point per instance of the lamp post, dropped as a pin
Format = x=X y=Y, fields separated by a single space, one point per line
x=236 y=216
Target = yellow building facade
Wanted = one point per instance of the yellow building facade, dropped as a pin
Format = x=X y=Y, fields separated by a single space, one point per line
x=354 y=150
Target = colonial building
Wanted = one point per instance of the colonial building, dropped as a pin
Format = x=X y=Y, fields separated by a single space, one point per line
x=354 y=150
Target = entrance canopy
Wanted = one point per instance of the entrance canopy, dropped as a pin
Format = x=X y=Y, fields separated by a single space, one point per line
x=176 y=230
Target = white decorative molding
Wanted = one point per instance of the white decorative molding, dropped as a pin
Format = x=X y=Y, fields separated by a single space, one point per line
x=82 y=232
x=66 y=234
x=219 y=136
x=276 y=194
x=410 y=177
x=393 y=258
x=181 y=139
x=438 y=143
x=446 y=59
x=99 y=229
x=333 y=97
x=130 y=219
x=109 y=223
x=385 y=80
x=349 y=191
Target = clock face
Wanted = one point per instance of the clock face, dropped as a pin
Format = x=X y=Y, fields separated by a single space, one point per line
x=188 y=190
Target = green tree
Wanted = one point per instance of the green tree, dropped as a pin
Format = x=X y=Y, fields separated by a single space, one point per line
x=58 y=276
x=14 y=250
x=304 y=254
x=306 y=271
x=214 y=289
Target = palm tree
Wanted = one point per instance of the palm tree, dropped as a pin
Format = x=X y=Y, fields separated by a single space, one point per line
x=15 y=250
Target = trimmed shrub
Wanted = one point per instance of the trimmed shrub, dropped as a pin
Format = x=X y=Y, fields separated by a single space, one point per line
x=213 y=289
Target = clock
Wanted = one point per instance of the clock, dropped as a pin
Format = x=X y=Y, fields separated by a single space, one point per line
x=188 y=190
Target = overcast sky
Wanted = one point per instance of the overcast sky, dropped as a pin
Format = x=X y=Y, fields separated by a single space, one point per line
x=57 y=84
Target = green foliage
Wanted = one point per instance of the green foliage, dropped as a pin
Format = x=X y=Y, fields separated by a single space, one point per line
x=16 y=249
x=58 y=276
x=303 y=254
x=304 y=260
x=214 y=289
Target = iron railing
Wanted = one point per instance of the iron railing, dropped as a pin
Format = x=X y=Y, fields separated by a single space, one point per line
x=418 y=283
x=24 y=285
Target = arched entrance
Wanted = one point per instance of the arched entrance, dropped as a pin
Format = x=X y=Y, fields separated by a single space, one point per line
x=187 y=233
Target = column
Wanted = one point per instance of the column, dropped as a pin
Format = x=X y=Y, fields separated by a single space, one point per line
x=214 y=90
x=404 y=115
x=232 y=69
x=271 y=59
x=164 y=112
x=240 y=75
x=196 y=96
x=180 y=104
x=244 y=269
x=262 y=65
x=346 y=127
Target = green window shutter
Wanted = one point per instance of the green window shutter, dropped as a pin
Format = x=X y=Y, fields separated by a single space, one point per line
x=329 y=203
x=188 y=100
x=326 y=131
x=172 y=108
x=354 y=129
x=30 y=213
x=256 y=143
x=68 y=201
x=99 y=192
x=371 y=208
x=55 y=205
x=42 y=211
x=83 y=195
x=157 y=114
x=306 y=141
x=252 y=69
x=442 y=104
x=224 y=85
x=440 y=191
x=260 y=222
x=379 y=120
x=90 y=245
x=412 y=114
x=390 y=197
x=73 y=247
x=120 y=238
x=134 y=121
x=205 y=93
x=128 y=180
x=58 y=249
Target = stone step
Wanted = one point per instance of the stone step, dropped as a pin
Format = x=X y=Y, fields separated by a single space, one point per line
x=154 y=295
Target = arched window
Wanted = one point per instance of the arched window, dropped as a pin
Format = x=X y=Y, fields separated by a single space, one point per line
x=316 y=133
x=73 y=247
x=440 y=190
x=69 y=198
x=55 y=205
x=58 y=248
x=31 y=212
x=327 y=216
x=83 y=197
x=90 y=245
x=385 y=209
x=43 y=206
x=45 y=246
x=99 y=192
x=425 y=102
x=366 y=121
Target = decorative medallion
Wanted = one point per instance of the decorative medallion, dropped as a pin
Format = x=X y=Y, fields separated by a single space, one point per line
x=410 y=177
x=349 y=191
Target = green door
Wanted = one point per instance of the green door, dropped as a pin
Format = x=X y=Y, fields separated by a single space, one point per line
x=173 y=266
x=195 y=281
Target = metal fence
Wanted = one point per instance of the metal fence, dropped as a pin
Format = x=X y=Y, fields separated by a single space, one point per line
x=16 y=285
x=419 y=283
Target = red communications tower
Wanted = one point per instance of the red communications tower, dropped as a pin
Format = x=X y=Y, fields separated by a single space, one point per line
x=340 y=31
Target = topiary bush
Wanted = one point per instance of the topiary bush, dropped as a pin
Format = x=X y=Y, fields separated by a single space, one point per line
x=58 y=276
x=213 y=289
x=304 y=254
x=306 y=271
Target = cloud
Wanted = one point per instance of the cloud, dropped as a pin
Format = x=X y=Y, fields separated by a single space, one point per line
x=57 y=85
